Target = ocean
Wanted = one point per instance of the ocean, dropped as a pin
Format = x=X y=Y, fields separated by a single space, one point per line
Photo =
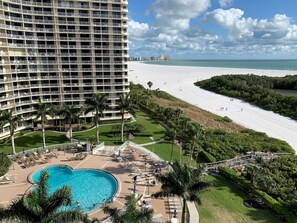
x=251 y=64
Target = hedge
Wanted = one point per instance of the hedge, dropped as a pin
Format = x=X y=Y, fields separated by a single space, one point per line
x=4 y=164
x=205 y=155
x=270 y=202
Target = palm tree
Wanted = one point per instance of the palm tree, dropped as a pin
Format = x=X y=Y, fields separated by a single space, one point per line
x=97 y=102
x=150 y=84
x=184 y=122
x=125 y=105
x=194 y=132
x=177 y=114
x=54 y=111
x=130 y=214
x=40 y=206
x=42 y=110
x=139 y=98
x=182 y=181
x=6 y=117
x=70 y=114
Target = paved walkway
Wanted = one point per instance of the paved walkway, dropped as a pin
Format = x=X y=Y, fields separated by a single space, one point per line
x=194 y=215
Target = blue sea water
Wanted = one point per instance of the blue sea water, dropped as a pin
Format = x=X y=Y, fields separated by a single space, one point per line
x=250 y=64
x=90 y=187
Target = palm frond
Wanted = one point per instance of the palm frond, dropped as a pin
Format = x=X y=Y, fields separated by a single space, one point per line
x=59 y=198
x=144 y=215
x=114 y=213
x=67 y=216
x=17 y=212
x=42 y=188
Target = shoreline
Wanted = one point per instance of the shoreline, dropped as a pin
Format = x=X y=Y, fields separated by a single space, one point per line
x=179 y=82
x=219 y=67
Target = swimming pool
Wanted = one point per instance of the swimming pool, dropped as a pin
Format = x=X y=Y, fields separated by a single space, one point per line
x=90 y=187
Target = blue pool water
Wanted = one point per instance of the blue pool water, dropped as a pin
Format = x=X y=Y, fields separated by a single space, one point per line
x=90 y=187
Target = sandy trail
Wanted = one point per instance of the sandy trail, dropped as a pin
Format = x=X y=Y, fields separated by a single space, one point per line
x=178 y=81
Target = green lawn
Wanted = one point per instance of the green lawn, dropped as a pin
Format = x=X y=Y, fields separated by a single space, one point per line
x=164 y=151
x=223 y=202
x=34 y=140
x=151 y=128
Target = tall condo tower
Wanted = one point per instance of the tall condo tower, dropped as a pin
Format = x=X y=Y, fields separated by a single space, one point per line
x=62 y=51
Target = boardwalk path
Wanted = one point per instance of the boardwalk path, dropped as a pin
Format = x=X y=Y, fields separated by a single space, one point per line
x=243 y=160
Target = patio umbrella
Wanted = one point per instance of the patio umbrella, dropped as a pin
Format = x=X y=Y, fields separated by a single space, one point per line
x=135 y=178
x=174 y=213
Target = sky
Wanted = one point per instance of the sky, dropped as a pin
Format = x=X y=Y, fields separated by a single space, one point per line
x=213 y=29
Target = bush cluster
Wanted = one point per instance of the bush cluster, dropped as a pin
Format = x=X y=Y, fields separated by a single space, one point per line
x=273 y=204
x=258 y=90
x=4 y=163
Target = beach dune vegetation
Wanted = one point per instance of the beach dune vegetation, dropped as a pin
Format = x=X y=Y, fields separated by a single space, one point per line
x=214 y=144
x=262 y=91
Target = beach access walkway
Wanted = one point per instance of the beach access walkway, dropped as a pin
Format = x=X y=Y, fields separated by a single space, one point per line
x=252 y=157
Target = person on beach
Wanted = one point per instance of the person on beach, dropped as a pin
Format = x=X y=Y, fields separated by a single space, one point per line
x=77 y=203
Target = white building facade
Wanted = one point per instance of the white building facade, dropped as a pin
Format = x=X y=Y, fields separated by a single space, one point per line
x=62 y=51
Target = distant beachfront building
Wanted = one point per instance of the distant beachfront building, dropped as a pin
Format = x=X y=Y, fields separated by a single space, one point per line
x=152 y=58
x=62 y=51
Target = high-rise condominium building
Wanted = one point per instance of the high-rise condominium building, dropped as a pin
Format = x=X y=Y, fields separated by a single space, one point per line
x=62 y=51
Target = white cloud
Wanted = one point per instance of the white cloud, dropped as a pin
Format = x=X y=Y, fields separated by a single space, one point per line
x=176 y=14
x=137 y=30
x=240 y=27
x=292 y=33
x=225 y=3
x=171 y=32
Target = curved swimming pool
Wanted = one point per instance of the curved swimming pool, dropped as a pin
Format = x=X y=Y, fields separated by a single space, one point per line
x=91 y=188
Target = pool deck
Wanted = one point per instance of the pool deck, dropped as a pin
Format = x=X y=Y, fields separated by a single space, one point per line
x=120 y=169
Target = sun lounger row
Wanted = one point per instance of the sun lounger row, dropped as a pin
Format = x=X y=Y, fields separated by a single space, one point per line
x=7 y=179
x=175 y=205
x=79 y=156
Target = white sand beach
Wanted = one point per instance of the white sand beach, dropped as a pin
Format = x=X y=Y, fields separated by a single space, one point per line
x=178 y=81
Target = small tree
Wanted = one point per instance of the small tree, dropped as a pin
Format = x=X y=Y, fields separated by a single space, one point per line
x=97 y=102
x=125 y=105
x=54 y=112
x=194 y=132
x=183 y=181
x=70 y=114
x=6 y=117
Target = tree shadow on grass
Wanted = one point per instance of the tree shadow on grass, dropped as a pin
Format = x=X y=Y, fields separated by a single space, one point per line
x=34 y=140
x=263 y=215
x=57 y=139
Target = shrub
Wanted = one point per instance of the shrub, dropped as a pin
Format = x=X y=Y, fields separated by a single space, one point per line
x=207 y=156
x=4 y=164
x=226 y=119
x=273 y=204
